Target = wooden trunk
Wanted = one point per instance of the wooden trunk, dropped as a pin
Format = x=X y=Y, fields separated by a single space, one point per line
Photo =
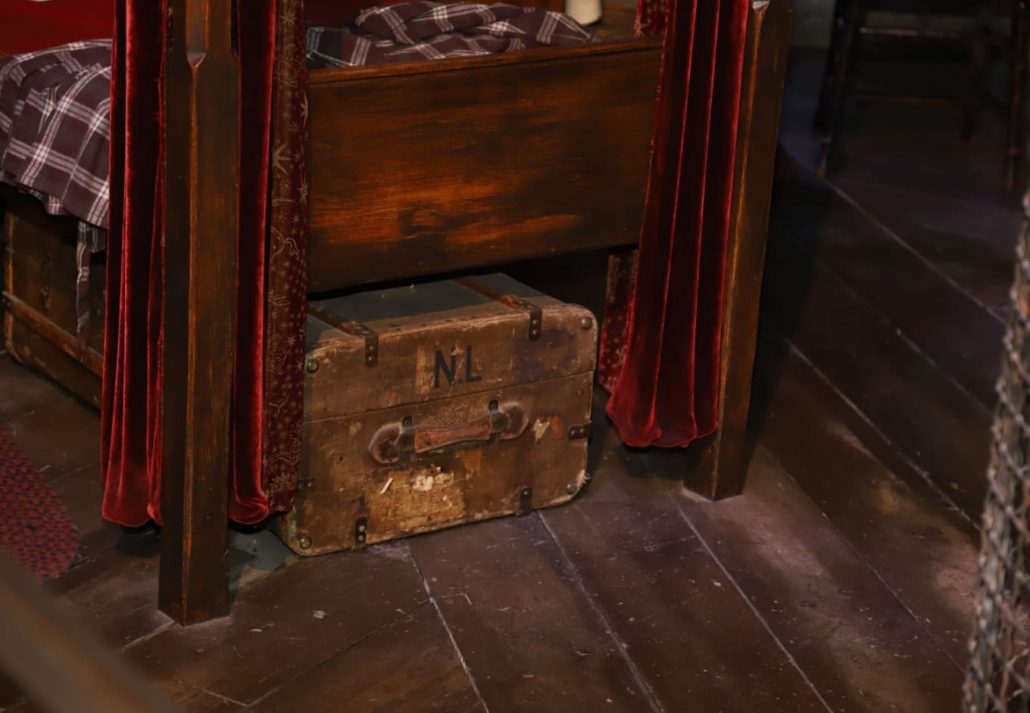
x=39 y=297
x=437 y=405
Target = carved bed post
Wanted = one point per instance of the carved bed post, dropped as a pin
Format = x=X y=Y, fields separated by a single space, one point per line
x=201 y=175
x=724 y=458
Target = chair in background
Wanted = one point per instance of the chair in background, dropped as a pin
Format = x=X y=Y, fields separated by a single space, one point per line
x=980 y=38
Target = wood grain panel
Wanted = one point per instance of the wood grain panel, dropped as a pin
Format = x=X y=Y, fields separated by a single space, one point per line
x=465 y=163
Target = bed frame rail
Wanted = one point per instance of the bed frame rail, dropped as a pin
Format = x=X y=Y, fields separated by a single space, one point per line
x=467 y=163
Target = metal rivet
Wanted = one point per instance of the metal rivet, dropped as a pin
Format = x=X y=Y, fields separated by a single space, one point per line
x=305 y=543
x=525 y=501
x=312 y=365
x=571 y=488
x=586 y=323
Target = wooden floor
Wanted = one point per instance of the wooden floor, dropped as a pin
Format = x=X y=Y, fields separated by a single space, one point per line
x=841 y=580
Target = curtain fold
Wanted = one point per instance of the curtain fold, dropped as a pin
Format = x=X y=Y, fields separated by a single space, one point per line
x=271 y=256
x=131 y=397
x=257 y=46
x=666 y=328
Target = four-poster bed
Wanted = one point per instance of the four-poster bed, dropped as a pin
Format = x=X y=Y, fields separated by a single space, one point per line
x=406 y=171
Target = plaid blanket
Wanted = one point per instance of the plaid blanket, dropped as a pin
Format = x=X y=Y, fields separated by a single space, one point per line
x=54 y=138
x=54 y=127
x=415 y=31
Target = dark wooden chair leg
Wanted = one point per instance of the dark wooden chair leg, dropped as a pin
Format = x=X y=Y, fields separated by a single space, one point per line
x=1017 y=133
x=979 y=63
x=201 y=167
x=837 y=26
x=849 y=16
x=724 y=458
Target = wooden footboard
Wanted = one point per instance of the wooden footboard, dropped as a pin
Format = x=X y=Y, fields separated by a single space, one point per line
x=464 y=163
x=422 y=169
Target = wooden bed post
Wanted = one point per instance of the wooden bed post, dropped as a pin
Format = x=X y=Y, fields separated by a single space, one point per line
x=201 y=176
x=724 y=457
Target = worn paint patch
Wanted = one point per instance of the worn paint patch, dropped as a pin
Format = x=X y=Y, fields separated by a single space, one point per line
x=540 y=427
x=558 y=425
x=432 y=477
x=423 y=371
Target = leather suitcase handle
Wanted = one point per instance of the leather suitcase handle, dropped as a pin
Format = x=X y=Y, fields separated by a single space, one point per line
x=393 y=440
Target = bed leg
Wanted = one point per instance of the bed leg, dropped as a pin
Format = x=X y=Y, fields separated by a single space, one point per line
x=193 y=582
x=201 y=176
x=724 y=457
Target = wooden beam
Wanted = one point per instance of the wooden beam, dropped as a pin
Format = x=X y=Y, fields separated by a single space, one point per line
x=724 y=457
x=201 y=217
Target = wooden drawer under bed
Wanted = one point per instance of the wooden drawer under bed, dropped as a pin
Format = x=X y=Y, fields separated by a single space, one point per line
x=39 y=302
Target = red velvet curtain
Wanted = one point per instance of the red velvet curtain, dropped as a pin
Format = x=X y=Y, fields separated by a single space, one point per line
x=662 y=350
x=131 y=406
x=269 y=360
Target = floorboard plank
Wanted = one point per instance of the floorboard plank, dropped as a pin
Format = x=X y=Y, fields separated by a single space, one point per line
x=924 y=551
x=60 y=437
x=666 y=600
x=901 y=285
x=120 y=602
x=408 y=666
x=286 y=624
x=22 y=392
x=81 y=491
x=971 y=243
x=522 y=622
x=855 y=641
x=940 y=427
